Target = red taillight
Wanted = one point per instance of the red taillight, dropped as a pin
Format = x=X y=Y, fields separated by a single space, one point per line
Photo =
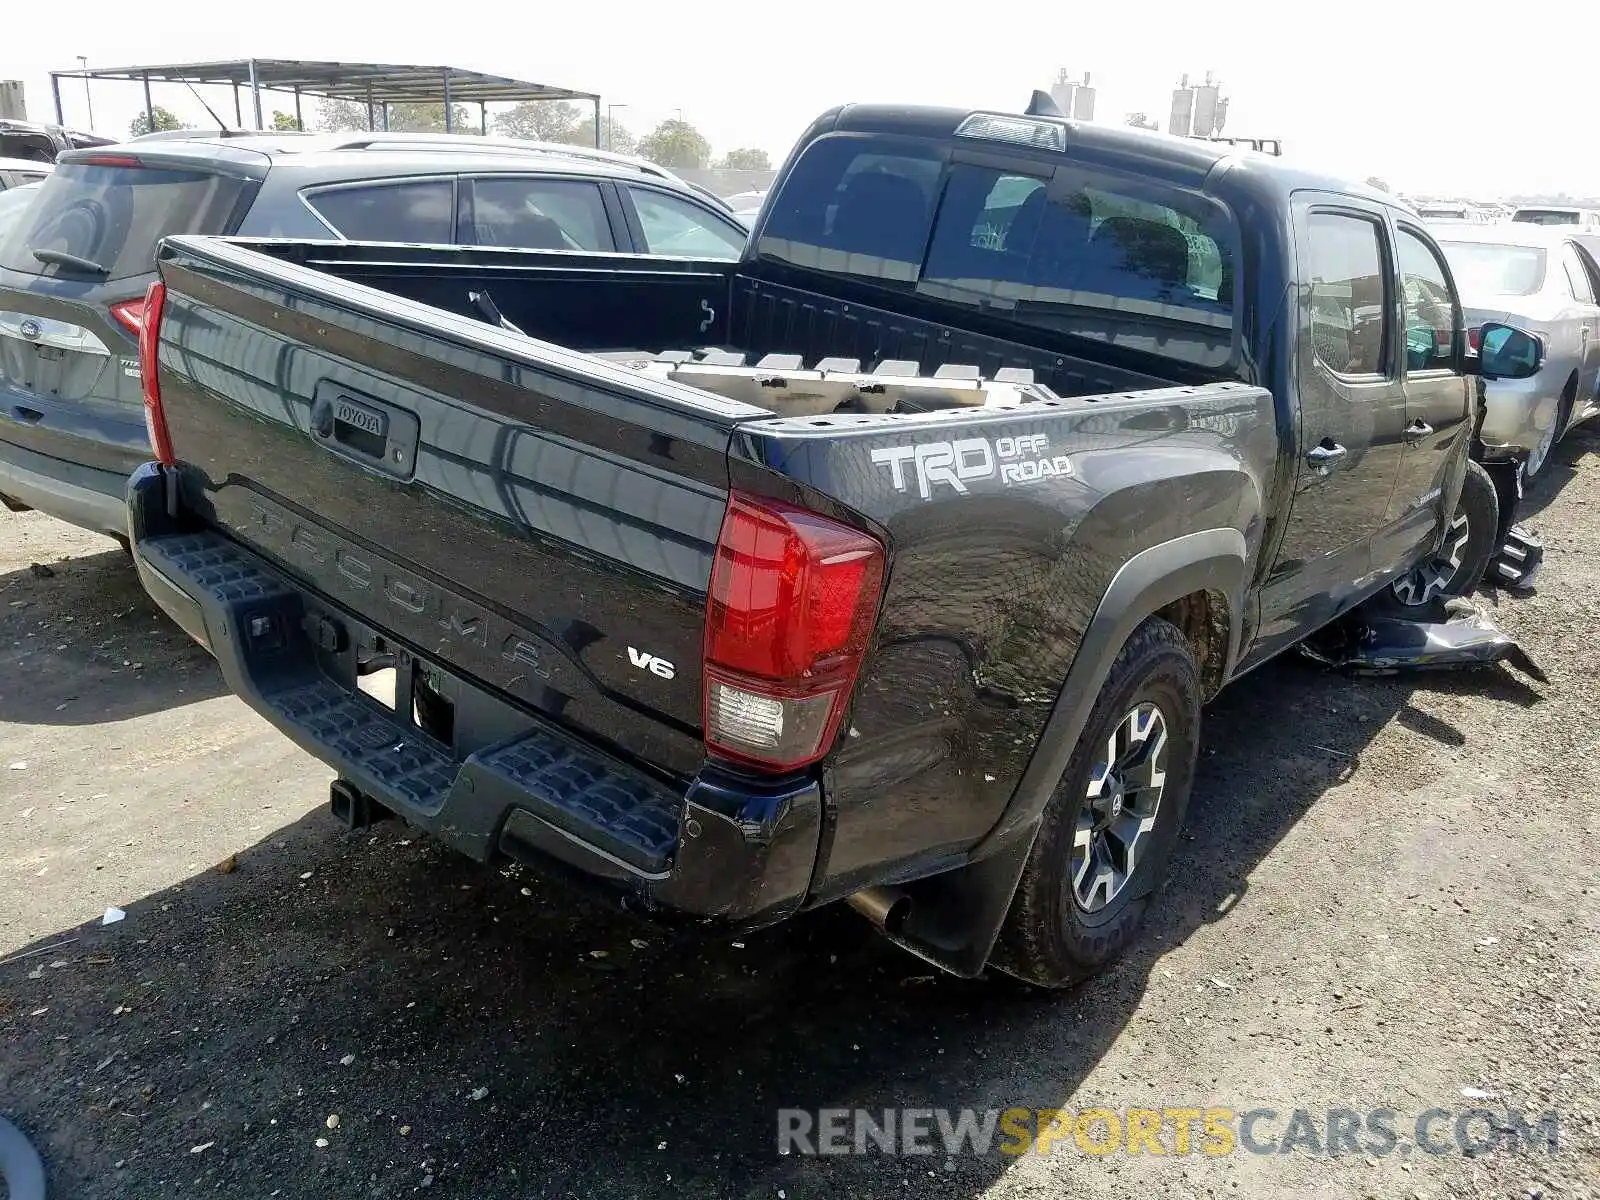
x=110 y=160
x=155 y=421
x=130 y=315
x=1475 y=337
x=787 y=621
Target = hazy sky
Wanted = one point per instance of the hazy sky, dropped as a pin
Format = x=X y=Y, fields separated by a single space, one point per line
x=1432 y=98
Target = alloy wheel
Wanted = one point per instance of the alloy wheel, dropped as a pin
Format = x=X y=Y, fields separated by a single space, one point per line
x=1119 y=808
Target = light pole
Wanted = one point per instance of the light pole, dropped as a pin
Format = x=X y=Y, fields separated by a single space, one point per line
x=83 y=64
x=611 y=125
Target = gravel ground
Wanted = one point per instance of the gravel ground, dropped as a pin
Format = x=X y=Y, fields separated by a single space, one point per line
x=1387 y=895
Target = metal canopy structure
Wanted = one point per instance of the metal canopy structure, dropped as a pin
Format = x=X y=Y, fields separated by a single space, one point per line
x=377 y=85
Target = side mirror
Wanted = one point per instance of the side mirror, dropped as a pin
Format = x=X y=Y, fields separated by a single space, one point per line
x=1507 y=353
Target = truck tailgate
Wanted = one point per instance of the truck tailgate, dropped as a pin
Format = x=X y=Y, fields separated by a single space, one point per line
x=529 y=518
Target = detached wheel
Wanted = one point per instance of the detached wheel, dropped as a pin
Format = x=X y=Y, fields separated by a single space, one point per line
x=1469 y=546
x=1110 y=826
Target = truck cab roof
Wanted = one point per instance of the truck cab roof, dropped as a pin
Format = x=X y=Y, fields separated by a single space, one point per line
x=1192 y=160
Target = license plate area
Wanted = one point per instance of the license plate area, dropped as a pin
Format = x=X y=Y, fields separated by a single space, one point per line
x=365 y=429
x=417 y=694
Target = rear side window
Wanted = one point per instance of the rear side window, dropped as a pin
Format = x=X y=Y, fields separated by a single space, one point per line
x=113 y=216
x=417 y=210
x=1577 y=277
x=1432 y=315
x=674 y=226
x=1349 y=310
x=539 y=214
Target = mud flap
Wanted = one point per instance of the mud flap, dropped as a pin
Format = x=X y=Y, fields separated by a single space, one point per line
x=1454 y=635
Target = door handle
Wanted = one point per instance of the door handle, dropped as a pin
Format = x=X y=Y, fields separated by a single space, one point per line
x=1418 y=430
x=1326 y=453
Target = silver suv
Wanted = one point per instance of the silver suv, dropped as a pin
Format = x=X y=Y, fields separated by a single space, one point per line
x=75 y=265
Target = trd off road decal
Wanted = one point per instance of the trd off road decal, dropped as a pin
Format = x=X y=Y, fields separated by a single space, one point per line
x=1013 y=460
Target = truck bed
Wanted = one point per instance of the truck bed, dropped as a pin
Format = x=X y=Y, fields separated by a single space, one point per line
x=636 y=310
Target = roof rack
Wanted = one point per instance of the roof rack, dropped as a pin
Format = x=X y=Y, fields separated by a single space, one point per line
x=474 y=142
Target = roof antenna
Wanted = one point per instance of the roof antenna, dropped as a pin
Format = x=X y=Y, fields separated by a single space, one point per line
x=1043 y=104
x=221 y=124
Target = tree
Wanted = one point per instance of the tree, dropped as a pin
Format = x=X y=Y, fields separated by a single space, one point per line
x=283 y=121
x=677 y=144
x=349 y=116
x=747 y=160
x=341 y=116
x=428 y=118
x=164 y=119
x=547 y=121
x=614 y=135
x=1140 y=121
x=1374 y=182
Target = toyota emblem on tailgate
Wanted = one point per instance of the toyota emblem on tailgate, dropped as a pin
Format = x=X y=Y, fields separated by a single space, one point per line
x=30 y=329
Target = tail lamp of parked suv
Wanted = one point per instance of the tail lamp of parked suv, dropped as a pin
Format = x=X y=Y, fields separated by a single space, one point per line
x=155 y=421
x=791 y=607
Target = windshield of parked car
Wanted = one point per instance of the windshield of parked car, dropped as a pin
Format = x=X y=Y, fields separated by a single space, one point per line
x=110 y=217
x=1545 y=216
x=1491 y=269
x=1076 y=249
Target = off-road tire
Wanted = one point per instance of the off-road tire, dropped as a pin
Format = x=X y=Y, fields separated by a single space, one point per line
x=1480 y=507
x=1048 y=939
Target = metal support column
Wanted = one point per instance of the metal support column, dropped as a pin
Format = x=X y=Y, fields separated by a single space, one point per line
x=597 y=122
x=238 y=113
x=255 y=92
x=299 y=121
x=372 y=121
x=149 y=108
x=449 y=126
x=483 y=117
x=55 y=90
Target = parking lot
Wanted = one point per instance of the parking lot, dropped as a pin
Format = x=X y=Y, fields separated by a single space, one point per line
x=1387 y=894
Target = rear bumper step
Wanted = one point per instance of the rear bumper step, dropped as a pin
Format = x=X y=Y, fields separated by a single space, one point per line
x=724 y=847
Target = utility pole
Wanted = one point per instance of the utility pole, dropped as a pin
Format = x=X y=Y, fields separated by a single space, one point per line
x=83 y=63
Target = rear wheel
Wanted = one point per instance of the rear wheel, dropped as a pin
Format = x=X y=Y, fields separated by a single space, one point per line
x=1469 y=546
x=1110 y=826
x=1540 y=454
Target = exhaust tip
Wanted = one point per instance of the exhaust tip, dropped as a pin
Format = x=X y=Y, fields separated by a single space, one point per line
x=887 y=908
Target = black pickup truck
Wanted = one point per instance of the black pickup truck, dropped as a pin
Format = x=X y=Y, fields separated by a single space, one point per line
x=892 y=563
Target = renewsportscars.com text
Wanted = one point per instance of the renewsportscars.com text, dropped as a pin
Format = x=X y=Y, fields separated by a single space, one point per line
x=1213 y=1131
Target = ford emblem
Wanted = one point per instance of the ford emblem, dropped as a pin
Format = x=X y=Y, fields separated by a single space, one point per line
x=30 y=329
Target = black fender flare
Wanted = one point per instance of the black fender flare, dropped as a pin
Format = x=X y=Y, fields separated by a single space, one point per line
x=954 y=918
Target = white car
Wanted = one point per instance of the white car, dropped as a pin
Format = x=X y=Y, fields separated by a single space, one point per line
x=1543 y=280
x=15 y=172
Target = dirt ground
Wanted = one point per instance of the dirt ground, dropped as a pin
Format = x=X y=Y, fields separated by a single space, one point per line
x=1387 y=898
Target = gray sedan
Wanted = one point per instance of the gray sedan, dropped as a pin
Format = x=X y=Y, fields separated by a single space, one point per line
x=1545 y=281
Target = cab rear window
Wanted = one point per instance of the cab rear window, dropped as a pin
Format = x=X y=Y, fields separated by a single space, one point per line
x=113 y=217
x=1073 y=248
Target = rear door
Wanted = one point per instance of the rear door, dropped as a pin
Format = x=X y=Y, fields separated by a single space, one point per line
x=1438 y=395
x=1352 y=417
x=1580 y=283
x=74 y=267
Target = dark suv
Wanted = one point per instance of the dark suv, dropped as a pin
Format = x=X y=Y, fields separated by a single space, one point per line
x=74 y=268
